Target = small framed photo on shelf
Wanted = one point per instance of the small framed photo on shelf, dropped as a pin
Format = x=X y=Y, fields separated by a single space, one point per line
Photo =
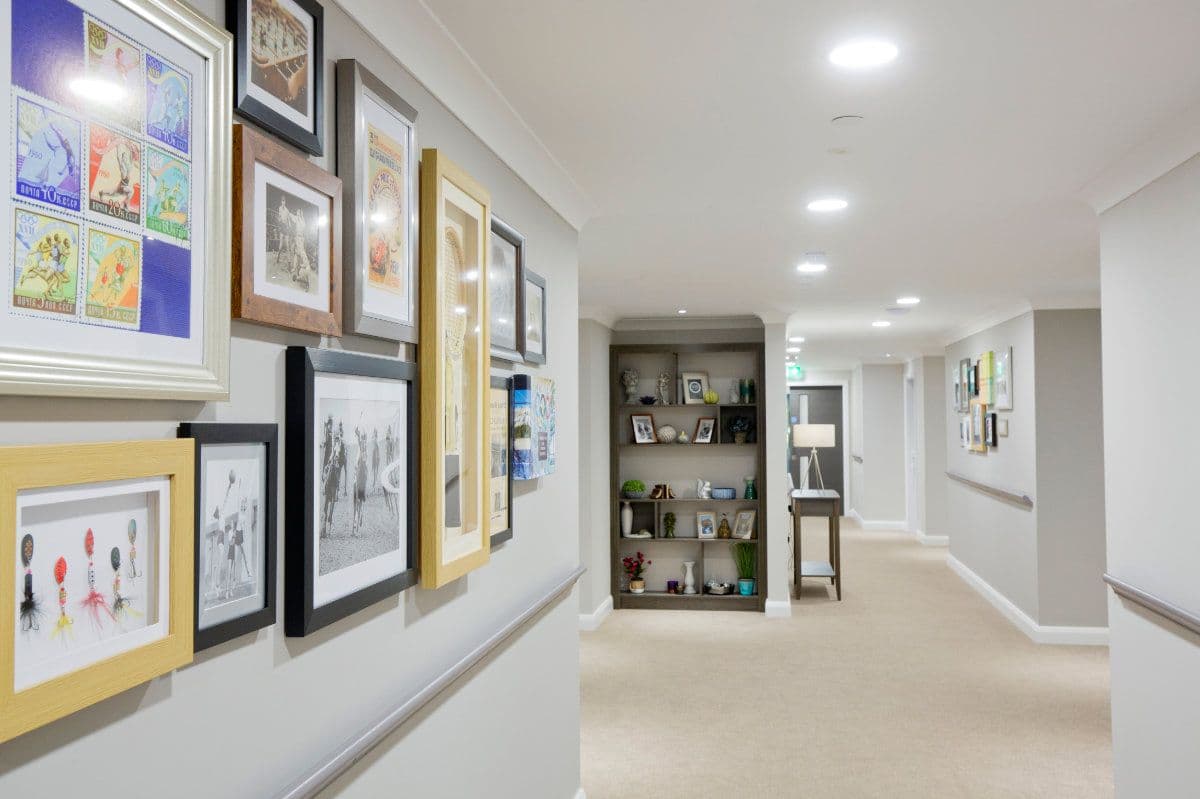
x=506 y=292
x=535 y=317
x=706 y=524
x=706 y=427
x=236 y=467
x=643 y=428
x=743 y=525
x=694 y=386
x=95 y=573
x=500 y=432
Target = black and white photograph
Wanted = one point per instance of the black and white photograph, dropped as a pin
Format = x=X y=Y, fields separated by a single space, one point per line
x=500 y=437
x=352 y=471
x=235 y=528
x=694 y=386
x=535 y=317
x=704 y=430
x=506 y=283
x=643 y=428
x=293 y=241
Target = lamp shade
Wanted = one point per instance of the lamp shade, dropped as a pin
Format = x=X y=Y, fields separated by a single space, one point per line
x=814 y=435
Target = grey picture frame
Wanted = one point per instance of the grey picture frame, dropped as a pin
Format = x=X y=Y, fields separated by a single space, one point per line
x=537 y=280
x=508 y=233
x=355 y=84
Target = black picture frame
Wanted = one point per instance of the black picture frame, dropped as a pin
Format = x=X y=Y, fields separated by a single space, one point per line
x=506 y=534
x=211 y=433
x=990 y=429
x=540 y=282
x=302 y=366
x=973 y=380
x=311 y=140
x=508 y=233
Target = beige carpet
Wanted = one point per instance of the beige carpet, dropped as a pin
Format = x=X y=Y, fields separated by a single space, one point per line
x=912 y=686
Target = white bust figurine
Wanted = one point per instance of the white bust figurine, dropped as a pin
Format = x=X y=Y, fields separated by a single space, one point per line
x=703 y=489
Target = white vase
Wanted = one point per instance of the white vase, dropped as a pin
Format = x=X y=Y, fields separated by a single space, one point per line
x=689 y=577
x=626 y=518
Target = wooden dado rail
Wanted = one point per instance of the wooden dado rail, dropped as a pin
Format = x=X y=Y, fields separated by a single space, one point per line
x=1159 y=607
x=358 y=747
x=1015 y=497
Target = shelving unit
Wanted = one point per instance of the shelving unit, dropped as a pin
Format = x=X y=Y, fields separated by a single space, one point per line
x=723 y=462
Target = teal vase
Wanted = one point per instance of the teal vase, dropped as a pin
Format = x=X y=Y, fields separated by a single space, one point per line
x=751 y=490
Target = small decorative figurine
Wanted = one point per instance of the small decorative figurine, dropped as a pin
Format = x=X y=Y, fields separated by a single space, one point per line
x=60 y=576
x=734 y=395
x=668 y=525
x=664 y=380
x=723 y=529
x=133 y=571
x=31 y=611
x=670 y=494
x=630 y=379
x=94 y=602
x=703 y=489
x=683 y=438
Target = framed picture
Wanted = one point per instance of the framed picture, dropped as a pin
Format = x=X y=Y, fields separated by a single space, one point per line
x=506 y=294
x=351 y=479
x=535 y=317
x=973 y=381
x=743 y=525
x=964 y=382
x=643 y=428
x=95 y=573
x=535 y=427
x=1002 y=428
x=694 y=386
x=705 y=428
x=985 y=377
x=288 y=241
x=377 y=161
x=964 y=432
x=117 y=222
x=500 y=434
x=978 y=413
x=235 y=468
x=706 y=524
x=1002 y=380
x=989 y=429
x=279 y=67
x=454 y=358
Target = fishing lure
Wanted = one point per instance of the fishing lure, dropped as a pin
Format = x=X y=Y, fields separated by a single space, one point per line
x=122 y=606
x=94 y=602
x=133 y=572
x=60 y=575
x=31 y=609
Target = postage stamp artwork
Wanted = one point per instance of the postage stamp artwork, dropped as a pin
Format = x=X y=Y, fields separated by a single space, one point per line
x=168 y=194
x=45 y=263
x=114 y=278
x=168 y=97
x=117 y=61
x=115 y=175
x=48 y=147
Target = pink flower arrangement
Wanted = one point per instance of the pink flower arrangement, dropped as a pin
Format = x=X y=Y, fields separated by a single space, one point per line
x=635 y=567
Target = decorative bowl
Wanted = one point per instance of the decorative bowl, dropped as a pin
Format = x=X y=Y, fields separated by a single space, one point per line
x=634 y=494
x=724 y=493
x=720 y=589
x=647 y=400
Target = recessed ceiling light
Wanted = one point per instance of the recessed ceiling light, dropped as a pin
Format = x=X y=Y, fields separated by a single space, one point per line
x=887 y=355
x=881 y=323
x=681 y=311
x=827 y=204
x=793 y=349
x=811 y=267
x=907 y=300
x=863 y=54
x=797 y=339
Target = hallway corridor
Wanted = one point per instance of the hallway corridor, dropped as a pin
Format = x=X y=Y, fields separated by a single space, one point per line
x=913 y=686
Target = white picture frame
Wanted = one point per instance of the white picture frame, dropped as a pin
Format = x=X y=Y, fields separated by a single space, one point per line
x=694 y=386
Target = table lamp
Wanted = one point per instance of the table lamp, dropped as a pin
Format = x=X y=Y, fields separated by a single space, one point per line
x=814 y=436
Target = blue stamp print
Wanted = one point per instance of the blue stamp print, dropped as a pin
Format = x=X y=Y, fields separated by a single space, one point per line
x=168 y=104
x=48 y=147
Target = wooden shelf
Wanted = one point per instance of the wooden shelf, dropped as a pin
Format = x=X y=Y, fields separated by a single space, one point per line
x=661 y=600
x=692 y=447
x=691 y=405
x=693 y=539
x=686 y=499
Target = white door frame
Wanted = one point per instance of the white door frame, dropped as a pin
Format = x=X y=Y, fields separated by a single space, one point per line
x=844 y=385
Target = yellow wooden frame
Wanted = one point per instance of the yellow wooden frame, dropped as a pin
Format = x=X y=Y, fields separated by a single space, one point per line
x=436 y=168
x=982 y=406
x=30 y=467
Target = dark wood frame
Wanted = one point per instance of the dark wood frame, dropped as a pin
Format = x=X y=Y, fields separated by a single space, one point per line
x=250 y=148
x=633 y=429
x=715 y=428
x=303 y=363
x=509 y=233
x=204 y=434
x=507 y=533
x=238 y=23
x=540 y=282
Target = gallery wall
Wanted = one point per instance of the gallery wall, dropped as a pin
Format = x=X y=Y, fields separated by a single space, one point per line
x=250 y=715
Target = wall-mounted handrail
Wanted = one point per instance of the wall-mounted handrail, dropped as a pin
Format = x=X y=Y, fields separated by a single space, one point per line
x=360 y=745
x=1159 y=607
x=1015 y=497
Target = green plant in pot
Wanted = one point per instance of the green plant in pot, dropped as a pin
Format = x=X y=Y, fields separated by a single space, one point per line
x=744 y=559
x=633 y=489
x=669 y=525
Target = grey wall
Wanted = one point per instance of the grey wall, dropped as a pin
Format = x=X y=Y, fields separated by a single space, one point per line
x=248 y=716
x=1150 y=248
x=881 y=442
x=930 y=397
x=595 y=509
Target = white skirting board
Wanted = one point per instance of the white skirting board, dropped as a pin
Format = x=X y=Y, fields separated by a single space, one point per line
x=580 y=794
x=878 y=526
x=1039 y=634
x=932 y=540
x=778 y=608
x=592 y=621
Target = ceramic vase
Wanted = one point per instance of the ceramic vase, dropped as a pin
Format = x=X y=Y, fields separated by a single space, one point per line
x=637 y=586
x=626 y=518
x=689 y=577
x=751 y=490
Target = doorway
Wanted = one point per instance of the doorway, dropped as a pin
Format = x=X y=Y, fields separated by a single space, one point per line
x=817 y=405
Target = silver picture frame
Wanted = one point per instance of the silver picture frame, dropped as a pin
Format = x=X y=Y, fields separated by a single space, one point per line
x=355 y=87
x=55 y=371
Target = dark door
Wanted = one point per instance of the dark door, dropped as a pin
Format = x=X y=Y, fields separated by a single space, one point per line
x=818 y=405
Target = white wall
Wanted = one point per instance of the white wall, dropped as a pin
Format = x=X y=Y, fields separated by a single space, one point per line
x=595 y=483
x=881 y=498
x=854 y=437
x=929 y=374
x=250 y=715
x=779 y=521
x=1150 y=248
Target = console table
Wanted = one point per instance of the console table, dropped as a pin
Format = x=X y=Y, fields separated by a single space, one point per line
x=823 y=503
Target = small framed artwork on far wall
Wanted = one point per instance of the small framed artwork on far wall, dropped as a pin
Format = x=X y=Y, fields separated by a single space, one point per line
x=989 y=430
x=705 y=427
x=506 y=293
x=1002 y=380
x=694 y=386
x=643 y=428
x=500 y=432
x=535 y=318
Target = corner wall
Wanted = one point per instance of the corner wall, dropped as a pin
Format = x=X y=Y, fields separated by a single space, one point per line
x=930 y=397
x=595 y=509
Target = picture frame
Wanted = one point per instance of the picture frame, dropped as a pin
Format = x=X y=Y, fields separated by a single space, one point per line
x=506 y=293
x=88 y=320
x=352 y=527
x=706 y=525
x=1002 y=378
x=455 y=359
x=291 y=105
x=287 y=247
x=50 y=664
x=743 y=525
x=706 y=428
x=232 y=519
x=500 y=434
x=989 y=429
x=536 y=331
x=535 y=427
x=694 y=386
x=377 y=160
x=964 y=382
x=973 y=381
x=978 y=412
x=644 y=431
x=964 y=432
x=986 y=361
x=1002 y=428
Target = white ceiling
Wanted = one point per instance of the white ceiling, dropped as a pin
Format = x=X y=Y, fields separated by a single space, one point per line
x=699 y=130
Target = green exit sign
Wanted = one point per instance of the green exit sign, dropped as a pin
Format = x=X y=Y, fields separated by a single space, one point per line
x=795 y=372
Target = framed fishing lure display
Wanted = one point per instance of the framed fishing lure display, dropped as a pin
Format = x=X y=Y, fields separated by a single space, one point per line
x=351 y=480
x=454 y=358
x=235 y=525
x=95 y=573
x=500 y=527
x=115 y=219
